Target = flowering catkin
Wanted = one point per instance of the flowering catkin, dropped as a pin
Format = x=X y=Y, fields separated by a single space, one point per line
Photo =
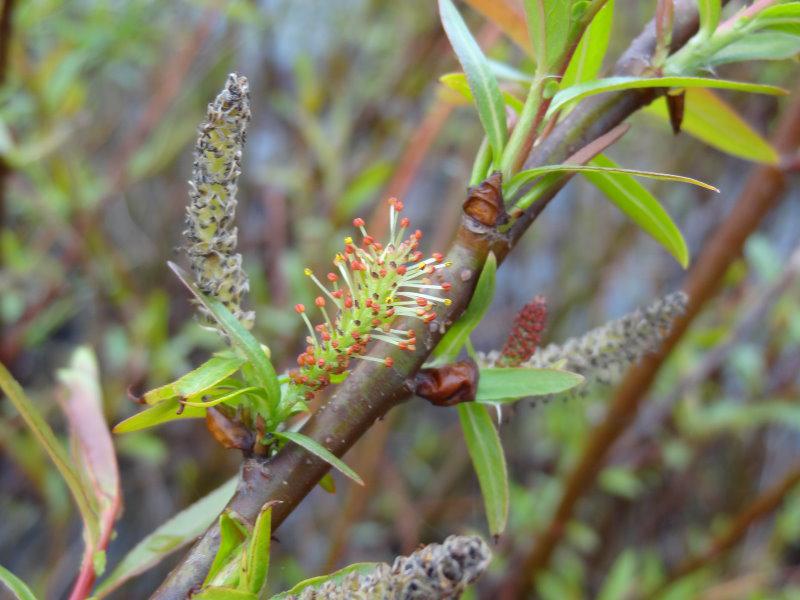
x=434 y=572
x=525 y=334
x=210 y=231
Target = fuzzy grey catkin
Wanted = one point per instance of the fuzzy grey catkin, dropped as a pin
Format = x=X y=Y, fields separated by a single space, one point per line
x=603 y=354
x=437 y=571
x=210 y=230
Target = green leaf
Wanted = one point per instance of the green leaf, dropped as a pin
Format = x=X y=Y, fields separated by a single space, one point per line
x=15 y=585
x=232 y=533
x=621 y=578
x=488 y=460
x=163 y=412
x=620 y=481
x=549 y=24
x=223 y=593
x=328 y=483
x=362 y=188
x=241 y=338
x=760 y=45
x=509 y=384
x=255 y=575
x=319 y=450
x=709 y=15
x=458 y=83
x=207 y=375
x=482 y=82
x=525 y=177
x=450 y=345
x=588 y=58
x=641 y=207
x=47 y=440
x=337 y=576
x=180 y=530
x=714 y=122
x=611 y=84
x=782 y=17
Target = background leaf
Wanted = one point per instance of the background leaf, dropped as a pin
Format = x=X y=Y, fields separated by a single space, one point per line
x=258 y=551
x=587 y=61
x=711 y=120
x=482 y=82
x=15 y=585
x=180 y=530
x=709 y=15
x=489 y=462
x=163 y=412
x=319 y=450
x=498 y=384
x=633 y=199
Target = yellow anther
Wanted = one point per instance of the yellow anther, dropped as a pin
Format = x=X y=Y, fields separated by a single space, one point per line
x=348 y=240
x=307 y=271
x=421 y=265
x=449 y=263
x=389 y=299
x=447 y=302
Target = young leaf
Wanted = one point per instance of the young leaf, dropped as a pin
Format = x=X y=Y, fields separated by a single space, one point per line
x=482 y=82
x=510 y=384
x=203 y=377
x=223 y=593
x=588 y=58
x=180 y=530
x=255 y=577
x=336 y=576
x=241 y=338
x=761 y=45
x=328 y=483
x=611 y=84
x=524 y=177
x=640 y=206
x=709 y=15
x=163 y=412
x=458 y=83
x=47 y=440
x=231 y=535
x=711 y=120
x=486 y=452
x=450 y=345
x=320 y=451
x=548 y=26
x=621 y=578
x=15 y=585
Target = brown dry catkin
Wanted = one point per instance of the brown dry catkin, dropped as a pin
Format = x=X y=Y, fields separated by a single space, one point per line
x=210 y=229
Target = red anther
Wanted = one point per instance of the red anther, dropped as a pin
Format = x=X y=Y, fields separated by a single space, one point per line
x=321 y=362
x=310 y=350
x=377 y=246
x=319 y=301
x=358 y=222
x=326 y=336
x=446 y=286
x=398 y=206
x=422 y=302
x=333 y=277
x=411 y=333
x=416 y=256
x=299 y=308
x=389 y=313
x=337 y=293
x=402 y=346
x=355 y=335
x=430 y=270
x=404 y=222
x=429 y=317
x=358 y=266
x=411 y=347
x=309 y=395
x=349 y=248
x=388 y=361
x=368 y=239
x=401 y=270
x=382 y=272
x=392 y=201
x=349 y=350
x=348 y=302
x=301 y=360
x=376 y=322
x=421 y=312
x=437 y=256
x=335 y=343
x=418 y=234
x=368 y=302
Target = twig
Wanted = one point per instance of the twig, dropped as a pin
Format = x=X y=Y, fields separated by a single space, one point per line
x=761 y=193
x=370 y=391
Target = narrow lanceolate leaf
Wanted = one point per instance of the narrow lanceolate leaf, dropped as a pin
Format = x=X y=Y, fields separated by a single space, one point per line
x=177 y=532
x=15 y=585
x=163 y=412
x=510 y=384
x=450 y=345
x=640 y=206
x=760 y=45
x=202 y=378
x=709 y=15
x=47 y=440
x=524 y=177
x=319 y=450
x=223 y=593
x=458 y=83
x=612 y=84
x=255 y=577
x=486 y=452
x=231 y=535
x=482 y=82
x=711 y=120
x=241 y=338
x=587 y=61
x=548 y=26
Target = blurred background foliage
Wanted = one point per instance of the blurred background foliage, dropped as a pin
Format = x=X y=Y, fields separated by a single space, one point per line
x=98 y=109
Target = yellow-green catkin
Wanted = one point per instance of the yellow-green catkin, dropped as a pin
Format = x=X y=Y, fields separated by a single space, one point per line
x=210 y=230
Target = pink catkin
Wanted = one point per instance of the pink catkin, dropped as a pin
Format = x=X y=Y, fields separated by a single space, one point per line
x=525 y=335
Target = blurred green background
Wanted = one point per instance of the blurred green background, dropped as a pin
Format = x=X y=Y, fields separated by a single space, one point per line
x=99 y=106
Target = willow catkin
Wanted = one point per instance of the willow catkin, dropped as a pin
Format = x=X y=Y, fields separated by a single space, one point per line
x=210 y=230
x=434 y=572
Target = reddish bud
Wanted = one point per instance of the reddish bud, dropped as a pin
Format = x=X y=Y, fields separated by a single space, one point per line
x=299 y=308
x=358 y=222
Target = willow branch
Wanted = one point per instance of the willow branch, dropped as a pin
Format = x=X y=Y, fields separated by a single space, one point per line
x=371 y=391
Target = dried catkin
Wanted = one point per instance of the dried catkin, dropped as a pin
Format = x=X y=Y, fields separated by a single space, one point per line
x=437 y=571
x=210 y=229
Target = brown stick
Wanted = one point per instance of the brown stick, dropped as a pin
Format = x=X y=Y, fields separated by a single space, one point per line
x=370 y=391
x=761 y=193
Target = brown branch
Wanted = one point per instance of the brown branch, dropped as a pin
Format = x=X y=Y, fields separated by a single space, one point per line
x=760 y=508
x=370 y=391
x=762 y=191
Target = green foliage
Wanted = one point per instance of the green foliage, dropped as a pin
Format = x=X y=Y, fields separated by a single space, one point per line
x=709 y=15
x=15 y=585
x=511 y=384
x=588 y=58
x=320 y=451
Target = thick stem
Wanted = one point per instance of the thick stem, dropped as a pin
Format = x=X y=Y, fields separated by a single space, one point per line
x=371 y=390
